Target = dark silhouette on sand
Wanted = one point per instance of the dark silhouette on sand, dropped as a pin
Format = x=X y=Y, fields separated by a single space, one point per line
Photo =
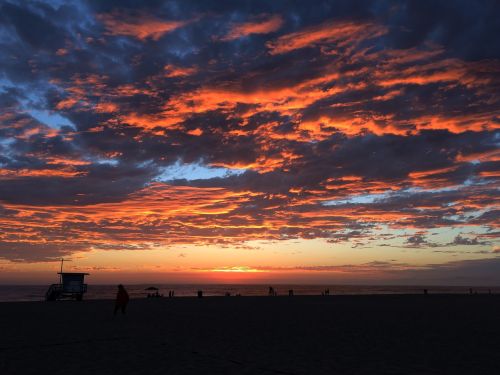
x=155 y=293
x=122 y=299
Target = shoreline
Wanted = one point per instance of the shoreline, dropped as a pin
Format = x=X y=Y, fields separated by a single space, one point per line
x=283 y=296
x=36 y=293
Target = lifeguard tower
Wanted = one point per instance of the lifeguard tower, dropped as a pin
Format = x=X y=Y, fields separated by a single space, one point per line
x=71 y=285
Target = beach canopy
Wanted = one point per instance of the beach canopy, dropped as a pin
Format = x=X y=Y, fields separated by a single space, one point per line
x=152 y=288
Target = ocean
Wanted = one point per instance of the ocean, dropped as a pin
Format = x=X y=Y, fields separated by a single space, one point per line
x=11 y=293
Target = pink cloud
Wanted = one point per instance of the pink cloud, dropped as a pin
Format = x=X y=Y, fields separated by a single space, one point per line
x=141 y=27
x=263 y=26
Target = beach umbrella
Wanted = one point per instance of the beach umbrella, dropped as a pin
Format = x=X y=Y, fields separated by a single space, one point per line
x=152 y=288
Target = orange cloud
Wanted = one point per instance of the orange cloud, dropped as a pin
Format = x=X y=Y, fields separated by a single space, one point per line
x=377 y=124
x=141 y=26
x=493 y=155
x=66 y=103
x=153 y=122
x=163 y=215
x=433 y=172
x=490 y=174
x=172 y=71
x=286 y=100
x=104 y=107
x=65 y=172
x=264 y=26
x=448 y=70
x=339 y=33
x=294 y=98
x=81 y=89
x=196 y=132
x=65 y=161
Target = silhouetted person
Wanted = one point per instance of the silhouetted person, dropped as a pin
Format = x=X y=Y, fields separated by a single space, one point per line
x=425 y=291
x=470 y=291
x=271 y=291
x=121 y=299
x=200 y=294
x=290 y=293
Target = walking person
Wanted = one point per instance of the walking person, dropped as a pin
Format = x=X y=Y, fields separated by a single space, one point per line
x=122 y=299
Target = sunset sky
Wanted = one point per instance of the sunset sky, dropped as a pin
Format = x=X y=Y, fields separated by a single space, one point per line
x=250 y=141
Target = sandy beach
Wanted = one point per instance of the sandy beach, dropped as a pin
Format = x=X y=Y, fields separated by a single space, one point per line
x=390 y=334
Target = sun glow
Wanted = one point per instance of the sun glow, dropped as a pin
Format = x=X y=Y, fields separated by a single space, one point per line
x=238 y=269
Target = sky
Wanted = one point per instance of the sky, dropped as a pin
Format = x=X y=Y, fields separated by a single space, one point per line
x=323 y=142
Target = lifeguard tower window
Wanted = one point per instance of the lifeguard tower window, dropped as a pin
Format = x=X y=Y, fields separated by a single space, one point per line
x=73 y=282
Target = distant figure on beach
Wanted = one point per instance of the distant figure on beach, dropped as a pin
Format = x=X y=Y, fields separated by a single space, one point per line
x=290 y=293
x=271 y=291
x=121 y=299
x=425 y=291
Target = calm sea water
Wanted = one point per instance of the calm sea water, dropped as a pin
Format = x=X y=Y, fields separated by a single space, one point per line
x=37 y=292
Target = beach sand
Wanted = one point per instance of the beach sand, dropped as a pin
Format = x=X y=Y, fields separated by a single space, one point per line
x=385 y=334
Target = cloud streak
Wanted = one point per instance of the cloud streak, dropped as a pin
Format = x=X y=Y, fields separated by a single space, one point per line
x=265 y=25
x=139 y=26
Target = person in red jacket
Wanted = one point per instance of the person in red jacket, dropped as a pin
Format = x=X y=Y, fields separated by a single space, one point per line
x=121 y=299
